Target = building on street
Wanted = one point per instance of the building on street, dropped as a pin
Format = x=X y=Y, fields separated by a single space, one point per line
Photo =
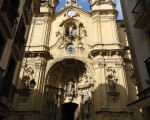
x=137 y=19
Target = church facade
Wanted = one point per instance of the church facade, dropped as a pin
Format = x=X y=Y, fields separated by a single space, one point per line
x=80 y=62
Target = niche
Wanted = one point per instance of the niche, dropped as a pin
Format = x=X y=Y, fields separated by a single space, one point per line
x=71 y=30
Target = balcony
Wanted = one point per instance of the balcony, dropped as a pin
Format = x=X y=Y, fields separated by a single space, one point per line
x=141 y=13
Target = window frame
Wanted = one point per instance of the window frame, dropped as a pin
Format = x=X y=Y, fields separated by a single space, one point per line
x=2 y=48
x=147 y=64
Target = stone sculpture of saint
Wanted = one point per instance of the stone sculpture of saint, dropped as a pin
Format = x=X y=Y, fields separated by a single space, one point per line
x=71 y=30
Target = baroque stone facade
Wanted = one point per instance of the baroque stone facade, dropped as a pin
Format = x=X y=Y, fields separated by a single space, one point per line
x=80 y=65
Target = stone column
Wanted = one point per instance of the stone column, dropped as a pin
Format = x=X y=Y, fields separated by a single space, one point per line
x=97 y=28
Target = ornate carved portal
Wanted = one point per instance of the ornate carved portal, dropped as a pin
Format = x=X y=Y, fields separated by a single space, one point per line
x=69 y=81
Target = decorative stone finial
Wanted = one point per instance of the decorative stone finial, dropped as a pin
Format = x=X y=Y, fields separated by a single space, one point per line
x=71 y=2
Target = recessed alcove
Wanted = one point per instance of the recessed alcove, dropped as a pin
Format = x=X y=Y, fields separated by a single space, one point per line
x=69 y=84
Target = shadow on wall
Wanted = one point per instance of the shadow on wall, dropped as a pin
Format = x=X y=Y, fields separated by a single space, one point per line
x=106 y=103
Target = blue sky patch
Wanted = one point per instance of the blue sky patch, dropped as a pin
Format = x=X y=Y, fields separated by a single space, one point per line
x=86 y=7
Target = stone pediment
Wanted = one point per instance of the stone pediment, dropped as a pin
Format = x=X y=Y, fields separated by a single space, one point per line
x=64 y=10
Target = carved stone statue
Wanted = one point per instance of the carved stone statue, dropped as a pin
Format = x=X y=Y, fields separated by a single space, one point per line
x=70 y=89
x=84 y=33
x=70 y=29
x=58 y=35
x=112 y=85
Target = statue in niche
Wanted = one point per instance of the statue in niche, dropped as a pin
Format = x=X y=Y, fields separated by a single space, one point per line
x=51 y=105
x=112 y=85
x=29 y=71
x=28 y=75
x=70 y=89
x=72 y=30
x=111 y=79
x=88 y=105
x=87 y=94
x=84 y=33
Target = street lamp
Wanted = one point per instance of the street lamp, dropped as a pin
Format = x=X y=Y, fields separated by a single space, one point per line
x=27 y=90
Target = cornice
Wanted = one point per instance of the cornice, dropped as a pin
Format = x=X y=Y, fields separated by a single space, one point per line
x=104 y=11
x=102 y=2
x=35 y=54
x=77 y=8
x=106 y=52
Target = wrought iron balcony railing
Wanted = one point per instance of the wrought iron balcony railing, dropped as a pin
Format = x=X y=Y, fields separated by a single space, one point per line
x=140 y=9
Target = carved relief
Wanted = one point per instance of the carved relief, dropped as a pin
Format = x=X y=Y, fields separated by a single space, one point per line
x=74 y=78
x=28 y=75
x=101 y=64
x=119 y=64
x=82 y=32
x=59 y=35
x=25 y=83
x=112 y=84
x=80 y=47
x=51 y=103
x=70 y=89
x=87 y=109
x=71 y=41
x=85 y=86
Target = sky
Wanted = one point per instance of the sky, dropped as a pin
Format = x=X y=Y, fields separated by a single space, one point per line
x=85 y=5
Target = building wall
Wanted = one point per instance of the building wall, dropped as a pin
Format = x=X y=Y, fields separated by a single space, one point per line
x=92 y=61
x=13 y=28
x=140 y=43
x=137 y=30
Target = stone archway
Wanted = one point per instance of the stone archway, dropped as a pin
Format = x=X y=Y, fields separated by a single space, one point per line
x=68 y=81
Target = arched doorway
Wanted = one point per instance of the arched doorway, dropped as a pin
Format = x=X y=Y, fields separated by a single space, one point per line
x=69 y=84
x=68 y=111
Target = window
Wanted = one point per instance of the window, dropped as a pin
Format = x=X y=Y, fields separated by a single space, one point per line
x=2 y=44
x=19 y=38
x=8 y=87
x=147 y=63
x=11 y=9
